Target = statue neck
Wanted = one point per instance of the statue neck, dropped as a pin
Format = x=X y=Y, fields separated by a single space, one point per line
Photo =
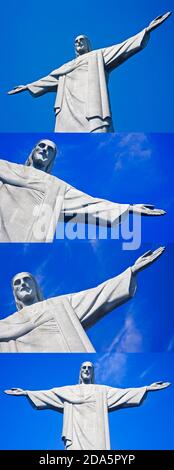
x=22 y=304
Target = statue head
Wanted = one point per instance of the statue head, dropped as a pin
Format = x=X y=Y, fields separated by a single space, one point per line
x=82 y=45
x=86 y=375
x=25 y=290
x=42 y=156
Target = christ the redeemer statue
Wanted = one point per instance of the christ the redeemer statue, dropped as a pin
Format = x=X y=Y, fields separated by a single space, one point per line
x=32 y=201
x=85 y=407
x=59 y=324
x=81 y=85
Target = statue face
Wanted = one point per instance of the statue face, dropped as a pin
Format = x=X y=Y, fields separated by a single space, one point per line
x=81 y=45
x=24 y=288
x=86 y=372
x=43 y=153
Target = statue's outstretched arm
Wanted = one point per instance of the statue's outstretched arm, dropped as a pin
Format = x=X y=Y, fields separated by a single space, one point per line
x=92 y=304
x=39 y=87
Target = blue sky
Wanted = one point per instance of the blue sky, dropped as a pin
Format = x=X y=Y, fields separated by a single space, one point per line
x=149 y=426
x=145 y=323
x=39 y=38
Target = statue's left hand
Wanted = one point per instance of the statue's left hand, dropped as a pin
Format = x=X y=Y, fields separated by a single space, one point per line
x=145 y=260
x=158 y=386
x=147 y=209
x=15 y=391
x=158 y=21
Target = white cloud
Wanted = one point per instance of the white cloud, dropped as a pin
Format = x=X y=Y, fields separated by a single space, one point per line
x=94 y=243
x=129 y=338
x=171 y=345
x=109 y=366
x=26 y=248
x=133 y=146
x=106 y=142
x=40 y=272
x=114 y=362
x=132 y=139
x=146 y=371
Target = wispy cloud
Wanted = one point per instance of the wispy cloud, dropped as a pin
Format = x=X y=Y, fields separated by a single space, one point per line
x=106 y=142
x=94 y=244
x=111 y=365
x=146 y=371
x=26 y=248
x=133 y=146
x=129 y=338
x=40 y=272
x=171 y=345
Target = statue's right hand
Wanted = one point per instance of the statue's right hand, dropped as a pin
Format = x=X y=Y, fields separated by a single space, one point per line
x=17 y=89
x=158 y=21
x=15 y=391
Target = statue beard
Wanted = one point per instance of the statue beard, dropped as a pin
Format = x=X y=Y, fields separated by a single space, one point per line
x=39 y=162
x=81 y=51
x=26 y=296
x=86 y=380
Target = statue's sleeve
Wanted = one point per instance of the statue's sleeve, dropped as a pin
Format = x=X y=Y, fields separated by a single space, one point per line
x=117 y=54
x=18 y=175
x=43 y=399
x=92 y=304
x=43 y=85
x=11 y=330
x=125 y=397
x=80 y=207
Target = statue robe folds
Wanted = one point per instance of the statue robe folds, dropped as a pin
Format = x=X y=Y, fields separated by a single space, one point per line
x=82 y=101
x=59 y=323
x=85 y=409
x=32 y=202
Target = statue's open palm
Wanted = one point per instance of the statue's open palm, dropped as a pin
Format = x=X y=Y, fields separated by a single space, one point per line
x=147 y=209
x=17 y=89
x=158 y=386
x=15 y=391
x=158 y=21
x=148 y=258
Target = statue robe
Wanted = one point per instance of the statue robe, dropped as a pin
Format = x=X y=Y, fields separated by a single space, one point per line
x=85 y=409
x=82 y=101
x=58 y=324
x=32 y=202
